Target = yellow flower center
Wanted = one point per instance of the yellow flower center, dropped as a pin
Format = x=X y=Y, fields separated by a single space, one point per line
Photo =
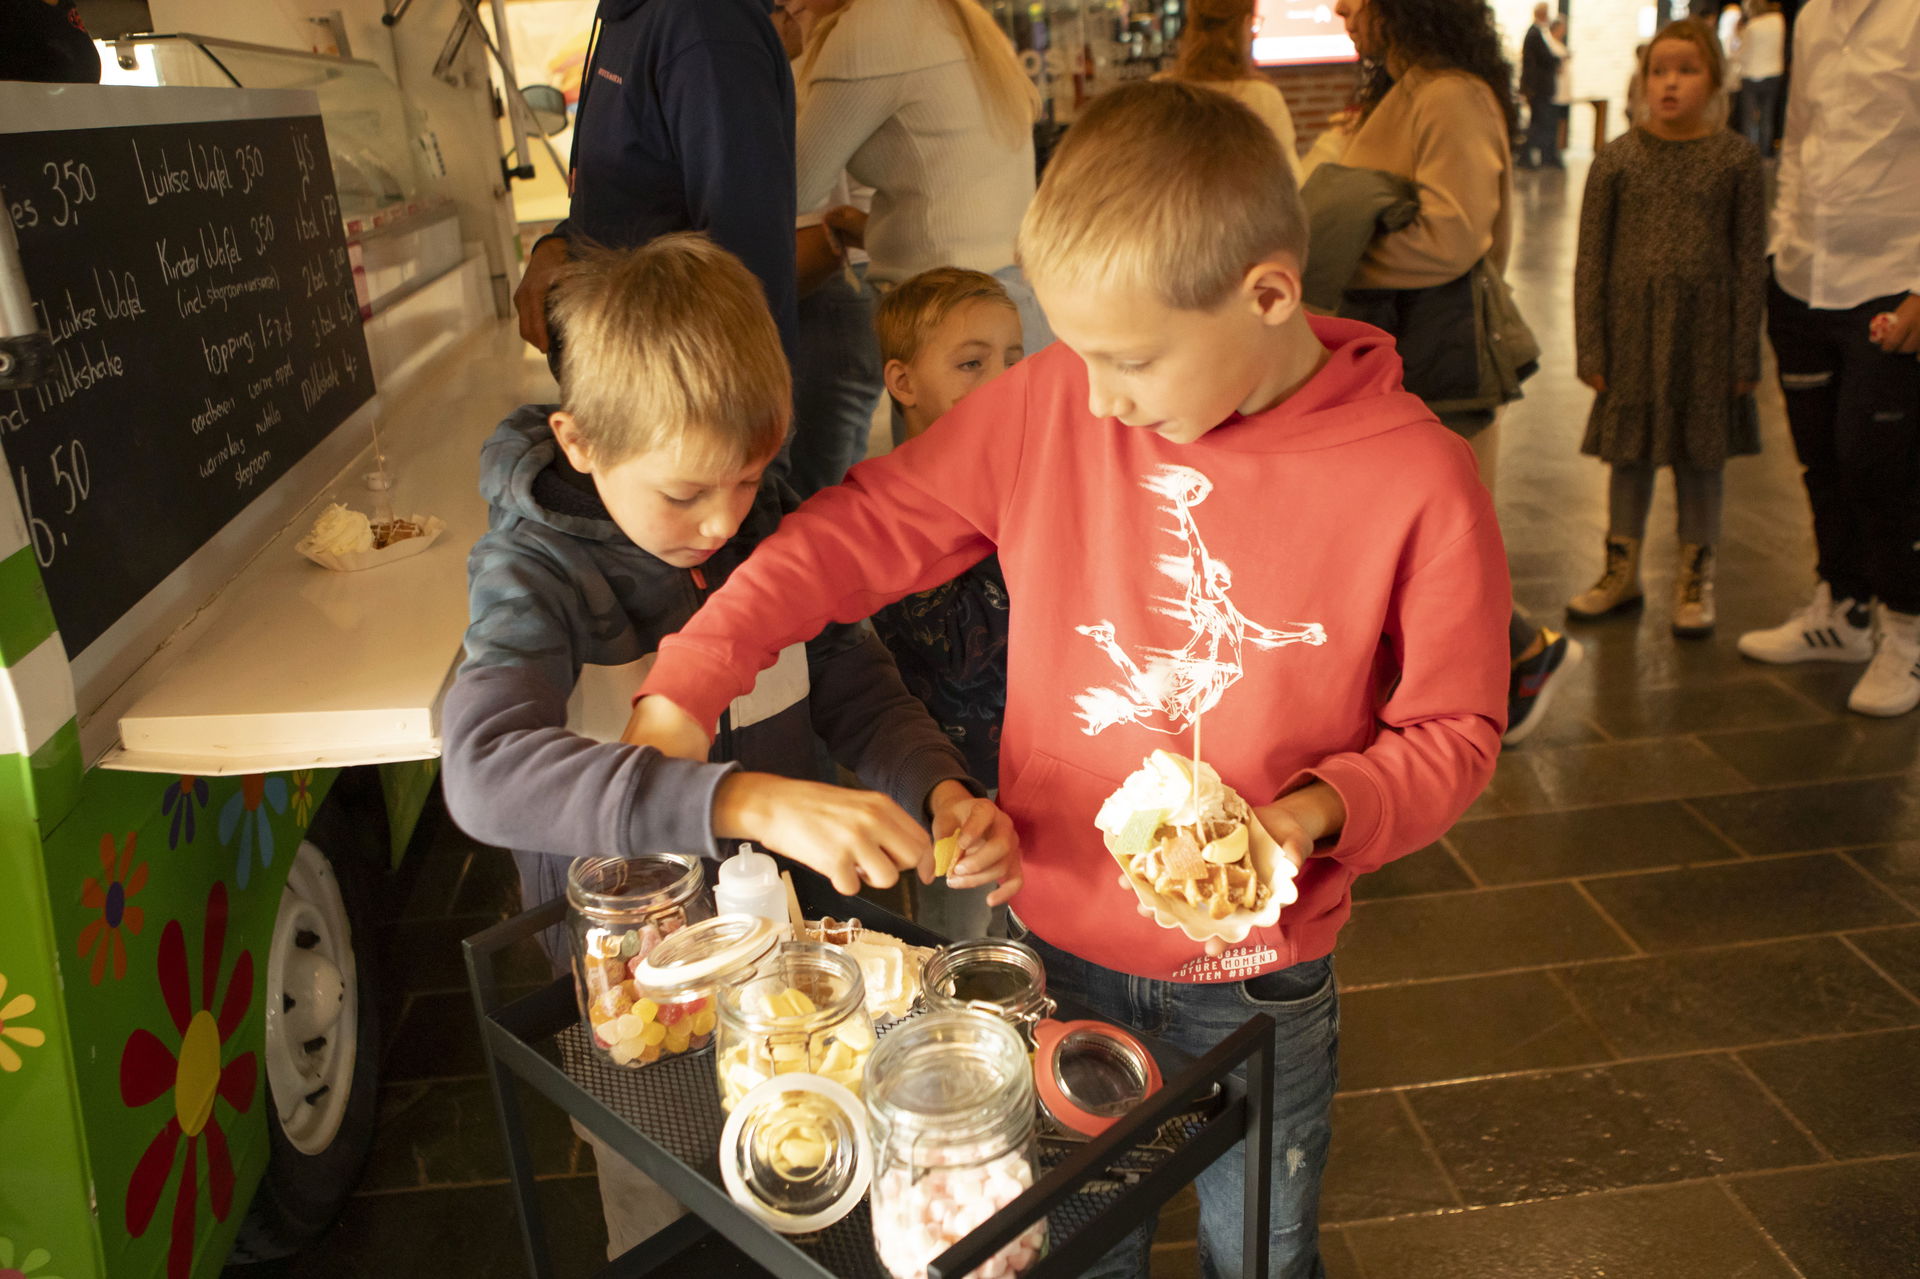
x=198 y=1075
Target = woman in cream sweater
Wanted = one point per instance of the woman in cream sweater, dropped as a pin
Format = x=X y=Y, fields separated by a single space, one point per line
x=925 y=102
x=1216 y=50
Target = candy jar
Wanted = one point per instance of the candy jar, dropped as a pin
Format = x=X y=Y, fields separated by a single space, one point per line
x=619 y=909
x=951 y=1106
x=674 y=988
x=1004 y=978
x=803 y=1010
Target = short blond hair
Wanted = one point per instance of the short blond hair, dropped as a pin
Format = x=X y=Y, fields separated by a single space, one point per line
x=1166 y=186
x=670 y=347
x=909 y=312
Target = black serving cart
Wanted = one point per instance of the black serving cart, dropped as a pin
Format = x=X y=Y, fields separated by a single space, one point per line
x=667 y=1120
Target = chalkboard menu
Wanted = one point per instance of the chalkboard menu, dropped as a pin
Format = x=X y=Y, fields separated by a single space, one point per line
x=196 y=287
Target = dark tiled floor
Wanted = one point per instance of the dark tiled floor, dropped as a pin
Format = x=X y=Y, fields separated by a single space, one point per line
x=1650 y=1011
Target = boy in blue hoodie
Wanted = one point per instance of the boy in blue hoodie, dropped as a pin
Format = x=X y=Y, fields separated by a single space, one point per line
x=613 y=516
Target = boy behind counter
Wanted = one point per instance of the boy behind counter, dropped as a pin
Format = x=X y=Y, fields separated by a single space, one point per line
x=613 y=515
x=1202 y=500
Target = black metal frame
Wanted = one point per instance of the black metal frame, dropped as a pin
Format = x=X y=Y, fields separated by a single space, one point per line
x=510 y=1031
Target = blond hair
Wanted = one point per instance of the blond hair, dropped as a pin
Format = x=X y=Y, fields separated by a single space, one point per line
x=670 y=346
x=1165 y=186
x=1012 y=103
x=911 y=311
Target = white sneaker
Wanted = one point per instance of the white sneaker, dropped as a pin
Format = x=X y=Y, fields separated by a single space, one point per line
x=1820 y=632
x=1891 y=685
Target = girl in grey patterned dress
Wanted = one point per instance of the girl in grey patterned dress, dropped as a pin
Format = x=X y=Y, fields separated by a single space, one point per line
x=1669 y=294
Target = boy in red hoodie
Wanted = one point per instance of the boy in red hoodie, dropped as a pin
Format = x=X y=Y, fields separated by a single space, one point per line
x=1203 y=500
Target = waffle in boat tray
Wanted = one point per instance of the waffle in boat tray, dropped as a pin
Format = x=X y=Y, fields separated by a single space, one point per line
x=1195 y=856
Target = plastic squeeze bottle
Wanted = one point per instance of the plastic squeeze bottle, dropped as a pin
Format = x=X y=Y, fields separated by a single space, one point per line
x=749 y=884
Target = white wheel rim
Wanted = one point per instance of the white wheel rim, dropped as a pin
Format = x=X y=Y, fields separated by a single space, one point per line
x=313 y=1005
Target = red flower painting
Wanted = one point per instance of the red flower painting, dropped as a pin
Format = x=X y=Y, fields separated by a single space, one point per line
x=119 y=880
x=196 y=1075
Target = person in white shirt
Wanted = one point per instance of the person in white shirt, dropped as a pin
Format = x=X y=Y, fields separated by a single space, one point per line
x=1763 y=54
x=1844 y=317
x=925 y=102
x=1216 y=51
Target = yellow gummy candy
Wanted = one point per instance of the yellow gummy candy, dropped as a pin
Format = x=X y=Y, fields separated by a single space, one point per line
x=645 y=1009
x=945 y=852
x=702 y=1022
x=652 y=1033
x=677 y=1036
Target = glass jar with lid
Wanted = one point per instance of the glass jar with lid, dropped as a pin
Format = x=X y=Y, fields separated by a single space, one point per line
x=952 y=1118
x=618 y=910
x=673 y=988
x=804 y=1010
x=1003 y=978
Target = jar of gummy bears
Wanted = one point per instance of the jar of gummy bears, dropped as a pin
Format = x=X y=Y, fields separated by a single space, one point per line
x=804 y=1010
x=952 y=1117
x=619 y=910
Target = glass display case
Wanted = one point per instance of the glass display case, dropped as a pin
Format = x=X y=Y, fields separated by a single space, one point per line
x=372 y=137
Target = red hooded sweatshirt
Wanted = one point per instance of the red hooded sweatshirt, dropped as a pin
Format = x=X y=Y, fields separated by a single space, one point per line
x=1324 y=580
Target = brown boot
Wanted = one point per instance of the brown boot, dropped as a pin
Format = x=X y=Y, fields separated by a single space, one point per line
x=1619 y=584
x=1693 y=614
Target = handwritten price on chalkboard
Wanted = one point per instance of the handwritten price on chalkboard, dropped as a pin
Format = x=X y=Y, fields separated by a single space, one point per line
x=73 y=183
x=76 y=477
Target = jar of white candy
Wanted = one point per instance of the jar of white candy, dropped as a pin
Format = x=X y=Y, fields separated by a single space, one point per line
x=951 y=1102
x=619 y=909
x=804 y=1010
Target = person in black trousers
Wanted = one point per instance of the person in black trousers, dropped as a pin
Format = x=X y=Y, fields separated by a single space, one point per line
x=1539 y=73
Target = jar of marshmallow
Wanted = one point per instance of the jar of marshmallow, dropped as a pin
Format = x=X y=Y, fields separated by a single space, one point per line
x=951 y=1108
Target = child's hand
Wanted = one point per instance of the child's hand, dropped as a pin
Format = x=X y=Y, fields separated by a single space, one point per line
x=989 y=846
x=849 y=223
x=1897 y=332
x=1597 y=381
x=661 y=724
x=850 y=836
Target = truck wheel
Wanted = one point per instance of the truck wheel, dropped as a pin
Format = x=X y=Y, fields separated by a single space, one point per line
x=322 y=1045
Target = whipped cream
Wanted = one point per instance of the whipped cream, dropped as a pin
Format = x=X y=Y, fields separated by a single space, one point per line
x=1165 y=783
x=339 y=531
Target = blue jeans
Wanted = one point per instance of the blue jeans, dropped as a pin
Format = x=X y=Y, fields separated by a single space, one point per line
x=1195 y=1017
x=836 y=380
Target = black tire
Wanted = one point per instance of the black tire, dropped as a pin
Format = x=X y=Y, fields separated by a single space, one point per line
x=300 y=1194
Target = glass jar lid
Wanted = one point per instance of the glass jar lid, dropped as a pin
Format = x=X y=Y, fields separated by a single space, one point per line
x=1005 y=978
x=701 y=954
x=950 y=1088
x=1090 y=1073
x=613 y=885
x=794 y=1153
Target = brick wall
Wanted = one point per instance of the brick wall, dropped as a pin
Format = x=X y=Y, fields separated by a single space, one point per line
x=1314 y=94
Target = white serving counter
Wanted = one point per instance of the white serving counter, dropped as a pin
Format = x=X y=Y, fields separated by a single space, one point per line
x=294 y=666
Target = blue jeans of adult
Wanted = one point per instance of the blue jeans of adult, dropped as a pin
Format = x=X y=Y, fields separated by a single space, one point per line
x=1194 y=1018
x=1759 y=108
x=836 y=382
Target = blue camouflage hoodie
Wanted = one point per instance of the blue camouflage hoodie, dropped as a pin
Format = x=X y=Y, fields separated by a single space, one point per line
x=566 y=615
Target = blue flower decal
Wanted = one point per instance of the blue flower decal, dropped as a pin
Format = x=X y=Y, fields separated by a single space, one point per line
x=247 y=820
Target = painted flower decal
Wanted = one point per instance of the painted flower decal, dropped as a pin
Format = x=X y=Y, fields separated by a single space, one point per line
x=109 y=895
x=12 y=1011
x=303 y=797
x=30 y=1265
x=246 y=817
x=149 y=1069
x=180 y=800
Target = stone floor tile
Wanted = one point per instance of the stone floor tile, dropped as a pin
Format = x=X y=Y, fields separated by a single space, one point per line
x=1379 y=1166
x=1664 y=1233
x=1336 y=1253
x=1897 y=951
x=1632 y=1124
x=1845 y=1221
x=427 y=955
x=1434 y=1031
x=1728 y=998
x=1591 y=841
x=1429 y=870
x=1754 y=703
x=448 y=1133
x=1458 y=934
x=436 y=1038
x=1860 y=1096
x=1897 y=866
x=1745 y=901
x=490 y=885
x=1881 y=810
x=1839 y=749
x=1548 y=781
